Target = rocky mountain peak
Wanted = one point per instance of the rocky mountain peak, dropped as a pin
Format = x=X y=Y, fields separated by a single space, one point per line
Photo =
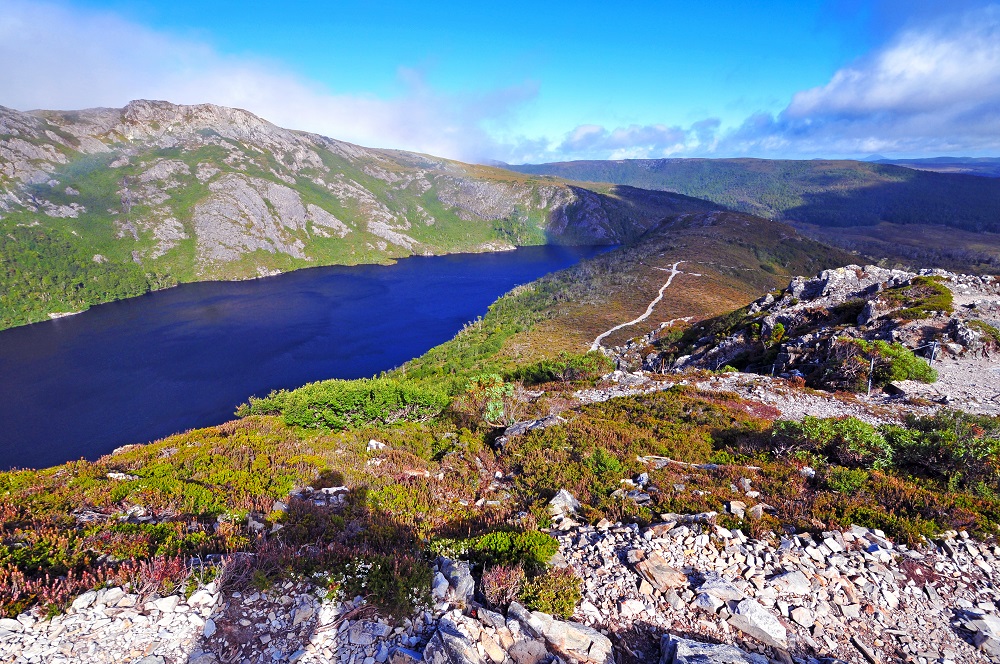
x=144 y=118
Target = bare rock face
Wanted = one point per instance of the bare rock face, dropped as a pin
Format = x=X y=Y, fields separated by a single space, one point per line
x=246 y=214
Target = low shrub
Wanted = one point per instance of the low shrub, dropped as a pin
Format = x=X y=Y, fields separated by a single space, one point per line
x=502 y=584
x=894 y=361
x=556 y=592
x=847 y=441
x=531 y=549
x=845 y=480
x=565 y=368
x=343 y=404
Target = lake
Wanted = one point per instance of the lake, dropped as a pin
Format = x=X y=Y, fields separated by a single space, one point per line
x=140 y=369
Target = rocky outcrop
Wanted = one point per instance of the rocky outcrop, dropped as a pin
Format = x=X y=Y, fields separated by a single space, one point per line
x=808 y=329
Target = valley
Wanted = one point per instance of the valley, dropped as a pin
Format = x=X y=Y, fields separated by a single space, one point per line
x=658 y=448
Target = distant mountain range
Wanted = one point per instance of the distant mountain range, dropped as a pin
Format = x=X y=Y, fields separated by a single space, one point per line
x=983 y=166
x=821 y=192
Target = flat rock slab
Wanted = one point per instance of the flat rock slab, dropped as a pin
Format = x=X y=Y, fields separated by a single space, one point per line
x=659 y=574
x=675 y=650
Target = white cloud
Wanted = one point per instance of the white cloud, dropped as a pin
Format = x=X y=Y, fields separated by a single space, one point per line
x=56 y=57
x=933 y=88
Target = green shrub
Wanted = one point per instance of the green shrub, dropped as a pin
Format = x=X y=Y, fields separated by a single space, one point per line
x=894 y=361
x=343 y=404
x=601 y=462
x=845 y=480
x=565 y=368
x=959 y=448
x=487 y=398
x=847 y=441
x=556 y=592
x=777 y=334
x=531 y=549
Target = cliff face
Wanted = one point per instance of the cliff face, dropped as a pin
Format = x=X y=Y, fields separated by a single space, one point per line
x=211 y=192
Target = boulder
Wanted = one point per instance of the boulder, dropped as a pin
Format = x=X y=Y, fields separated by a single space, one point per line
x=754 y=620
x=675 y=650
x=563 y=503
x=460 y=579
x=572 y=639
x=659 y=574
x=450 y=646
x=737 y=508
x=719 y=588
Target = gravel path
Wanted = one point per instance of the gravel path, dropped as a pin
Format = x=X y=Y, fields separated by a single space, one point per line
x=649 y=310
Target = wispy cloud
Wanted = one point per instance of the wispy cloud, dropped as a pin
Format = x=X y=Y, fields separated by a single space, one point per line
x=57 y=57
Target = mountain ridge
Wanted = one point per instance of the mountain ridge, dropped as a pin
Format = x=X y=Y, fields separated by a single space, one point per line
x=157 y=193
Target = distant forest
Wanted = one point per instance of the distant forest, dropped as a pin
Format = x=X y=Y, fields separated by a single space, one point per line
x=826 y=193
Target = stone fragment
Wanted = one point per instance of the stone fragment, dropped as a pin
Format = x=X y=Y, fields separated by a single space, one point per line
x=572 y=639
x=84 y=601
x=793 y=583
x=659 y=574
x=302 y=614
x=528 y=652
x=439 y=587
x=563 y=503
x=402 y=655
x=707 y=602
x=167 y=604
x=802 y=616
x=209 y=629
x=718 y=587
x=450 y=646
x=459 y=576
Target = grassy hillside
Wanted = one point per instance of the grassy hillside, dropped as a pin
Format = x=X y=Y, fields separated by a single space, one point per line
x=821 y=192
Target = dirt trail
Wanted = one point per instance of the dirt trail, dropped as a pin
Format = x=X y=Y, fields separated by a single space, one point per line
x=649 y=310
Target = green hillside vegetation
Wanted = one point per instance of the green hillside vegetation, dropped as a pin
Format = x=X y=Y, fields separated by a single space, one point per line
x=424 y=494
x=44 y=273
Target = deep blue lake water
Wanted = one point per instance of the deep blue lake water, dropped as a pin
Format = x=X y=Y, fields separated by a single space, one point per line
x=140 y=369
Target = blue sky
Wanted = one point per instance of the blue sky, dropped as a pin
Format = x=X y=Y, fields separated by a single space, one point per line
x=533 y=81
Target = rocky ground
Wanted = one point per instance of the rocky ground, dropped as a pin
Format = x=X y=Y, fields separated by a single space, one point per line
x=792 y=403
x=681 y=591
x=966 y=358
